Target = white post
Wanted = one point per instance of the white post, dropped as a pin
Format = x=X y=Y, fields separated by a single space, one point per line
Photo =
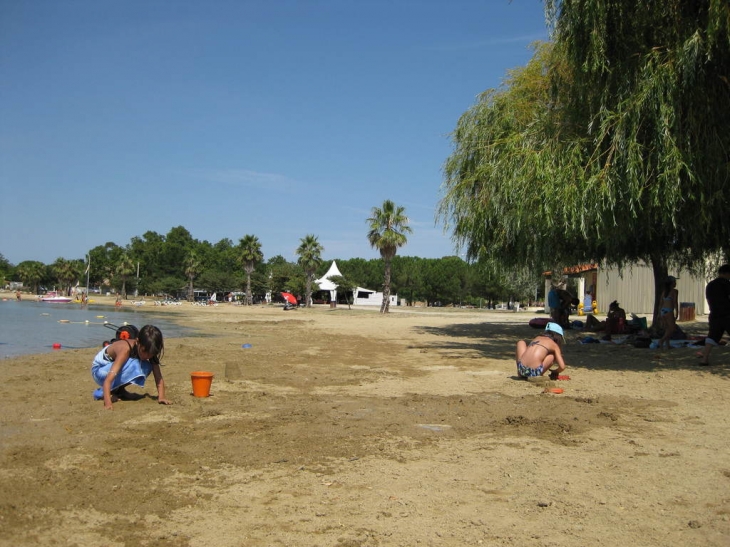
x=582 y=293
x=88 y=267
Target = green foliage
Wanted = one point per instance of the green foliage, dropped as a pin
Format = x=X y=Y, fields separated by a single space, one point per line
x=178 y=246
x=217 y=267
x=31 y=273
x=6 y=270
x=284 y=276
x=366 y=273
x=388 y=229
x=649 y=83
x=310 y=258
x=169 y=285
x=66 y=273
x=345 y=288
x=505 y=182
x=193 y=267
x=408 y=281
x=221 y=281
x=249 y=250
x=610 y=145
x=125 y=267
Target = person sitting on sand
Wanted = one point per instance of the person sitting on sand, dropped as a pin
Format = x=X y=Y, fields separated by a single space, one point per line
x=615 y=320
x=536 y=358
x=126 y=362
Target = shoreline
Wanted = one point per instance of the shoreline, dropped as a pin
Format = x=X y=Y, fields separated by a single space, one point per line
x=197 y=317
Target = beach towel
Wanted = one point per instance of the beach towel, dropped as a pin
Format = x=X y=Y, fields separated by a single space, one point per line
x=134 y=372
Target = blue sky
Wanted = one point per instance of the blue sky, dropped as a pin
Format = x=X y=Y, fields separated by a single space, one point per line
x=277 y=118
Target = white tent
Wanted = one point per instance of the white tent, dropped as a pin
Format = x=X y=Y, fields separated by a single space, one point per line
x=326 y=285
x=362 y=296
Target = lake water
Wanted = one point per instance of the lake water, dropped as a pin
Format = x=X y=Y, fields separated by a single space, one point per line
x=29 y=327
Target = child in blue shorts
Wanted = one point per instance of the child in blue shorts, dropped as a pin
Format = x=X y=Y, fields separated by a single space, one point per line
x=129 y=361
x=536 y=358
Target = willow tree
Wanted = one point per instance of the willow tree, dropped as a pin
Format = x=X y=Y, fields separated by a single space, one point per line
x=310 y=257
x=388 y=228
x=250 y=255
x=508 y=182
x=616 y=151
x=649 y=81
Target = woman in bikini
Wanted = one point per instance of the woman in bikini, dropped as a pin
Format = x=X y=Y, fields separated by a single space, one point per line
x=536 y=358
x=129 y=361
x=669 y=311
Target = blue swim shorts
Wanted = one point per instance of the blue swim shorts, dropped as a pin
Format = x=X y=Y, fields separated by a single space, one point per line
x=527 y=372
x=133 y=371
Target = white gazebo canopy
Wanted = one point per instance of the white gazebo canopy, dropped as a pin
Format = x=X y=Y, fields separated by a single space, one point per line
x=325 y=284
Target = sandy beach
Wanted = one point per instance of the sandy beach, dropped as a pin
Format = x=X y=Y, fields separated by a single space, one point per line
x=346 y=428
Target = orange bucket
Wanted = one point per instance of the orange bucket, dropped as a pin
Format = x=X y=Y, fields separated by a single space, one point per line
x=201 y=383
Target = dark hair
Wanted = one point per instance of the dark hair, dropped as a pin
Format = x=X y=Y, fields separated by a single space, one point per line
x=613 y=304
x=554 y=336
x=127 y=332
x=668 y=286
x=725 y=268
x=150 y=338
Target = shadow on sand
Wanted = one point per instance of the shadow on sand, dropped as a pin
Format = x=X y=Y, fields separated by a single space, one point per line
x=494 y=340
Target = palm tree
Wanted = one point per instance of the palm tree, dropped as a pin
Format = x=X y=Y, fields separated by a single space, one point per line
x=310 y=257
x=388 y=229
x=31 y=273
x=250 y=256
x=192 y=270
x=66 y=272
x=125 y=268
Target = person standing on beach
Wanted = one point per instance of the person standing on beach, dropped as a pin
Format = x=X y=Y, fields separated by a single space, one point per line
x=669 y=310
x=717 y=293
x=559 y=302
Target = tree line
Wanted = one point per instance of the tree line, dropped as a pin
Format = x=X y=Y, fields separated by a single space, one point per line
x=166 y=268
x=175 y=264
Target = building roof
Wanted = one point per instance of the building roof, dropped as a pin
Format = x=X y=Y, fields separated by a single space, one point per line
x=575 y=270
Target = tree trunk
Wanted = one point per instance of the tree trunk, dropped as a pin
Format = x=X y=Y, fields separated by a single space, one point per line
x=659 y=267
x=385 y=306
x=249 y=298
x=309 y=291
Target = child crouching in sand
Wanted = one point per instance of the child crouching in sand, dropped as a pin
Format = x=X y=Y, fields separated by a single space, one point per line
x=127 y=362
x=536 y=358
